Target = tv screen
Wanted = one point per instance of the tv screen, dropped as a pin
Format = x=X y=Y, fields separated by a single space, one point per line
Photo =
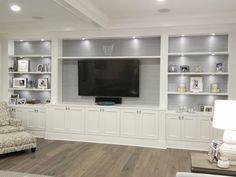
x=118 y=78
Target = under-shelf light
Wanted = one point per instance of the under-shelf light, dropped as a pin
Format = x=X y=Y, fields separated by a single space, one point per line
x=182 y=55
x=182 y=35
x=21 y=40
x=42 y=40
x=212 y=54
x=133 y=37
x=213 y=34
x=83 y=39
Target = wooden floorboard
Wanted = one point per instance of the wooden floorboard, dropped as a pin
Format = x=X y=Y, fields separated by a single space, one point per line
x=79 y=159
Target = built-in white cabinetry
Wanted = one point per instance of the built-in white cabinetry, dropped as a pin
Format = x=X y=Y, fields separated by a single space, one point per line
x=189 y=127
x=33 y=118
x=139 y=123
x=102 y=121
x=66 y=119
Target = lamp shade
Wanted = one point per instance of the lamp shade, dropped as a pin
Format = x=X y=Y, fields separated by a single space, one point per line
x=225 y=114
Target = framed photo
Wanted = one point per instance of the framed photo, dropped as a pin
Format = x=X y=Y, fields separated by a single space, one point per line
x=21 y=101
x=196 y=84
x=14 y=98
x=23 y=65
x=201 y=108
x=219 y=67
x=184 y=68
x=19 y=82
x=208 y=108
x=39 y=68
x=172 y=68
x=43 y=83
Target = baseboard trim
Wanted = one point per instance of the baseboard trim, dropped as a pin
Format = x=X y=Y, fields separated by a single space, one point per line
x=161 y=144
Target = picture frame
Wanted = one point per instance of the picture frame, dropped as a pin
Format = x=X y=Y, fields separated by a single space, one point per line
x=219 y=67
x=39 y=68
x=196 y=84
x=201 y=108
x=21 y=101
x=42 y=83
x=184 y=68
x=14 y=98
x=19 y=82
x=23 y=66
x=208 y=108
x=172 y=68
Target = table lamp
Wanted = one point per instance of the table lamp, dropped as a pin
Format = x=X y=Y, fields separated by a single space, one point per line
x=225 y=118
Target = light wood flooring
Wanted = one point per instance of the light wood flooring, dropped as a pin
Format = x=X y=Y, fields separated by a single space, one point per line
x=79 y=159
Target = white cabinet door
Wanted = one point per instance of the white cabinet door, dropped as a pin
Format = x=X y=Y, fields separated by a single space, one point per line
x=21 y=115
x=40 y=121
x=93 y=122
x=75 y=120
x=30 y=118
x=149 y=124
x=129 y=123
x=173 y=127
x=190 y=128
x=205 y=130
x=57 y=117
x=110 y=121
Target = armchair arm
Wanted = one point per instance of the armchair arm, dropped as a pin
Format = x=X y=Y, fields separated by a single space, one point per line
x=15 y=122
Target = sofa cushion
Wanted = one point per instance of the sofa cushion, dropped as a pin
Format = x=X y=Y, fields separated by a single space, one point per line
x=4 y=114
x=10 y=129
x=16 y=139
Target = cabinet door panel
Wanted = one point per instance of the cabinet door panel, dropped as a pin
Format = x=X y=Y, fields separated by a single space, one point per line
x=75 y=120
x=173 y=127
x=111 y=121
x=41 y=120
x=58 y=119
x=190 y=128
x=31 y=117
x=129 y=123
x=93 y=122
x=206 y=129
x=21 y=115
x=149 y=123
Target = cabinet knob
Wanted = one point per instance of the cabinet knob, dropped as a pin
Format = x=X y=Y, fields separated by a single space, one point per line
x=211 y=119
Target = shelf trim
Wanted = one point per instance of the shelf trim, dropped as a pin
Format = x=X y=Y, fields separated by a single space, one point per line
x=199 y=73
x=198 y=53
x=28 y=89
x=29 y=72
x=200 y=93
x=30 y=56
x=109 y=57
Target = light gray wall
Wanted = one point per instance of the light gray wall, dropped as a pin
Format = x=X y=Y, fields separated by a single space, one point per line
x=149 y=83
x=121 y=47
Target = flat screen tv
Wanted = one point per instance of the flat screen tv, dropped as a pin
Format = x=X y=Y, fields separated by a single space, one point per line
x=117 y=78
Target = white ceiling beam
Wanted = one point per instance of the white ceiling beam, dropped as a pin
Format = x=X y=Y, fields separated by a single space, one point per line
x=85 y=10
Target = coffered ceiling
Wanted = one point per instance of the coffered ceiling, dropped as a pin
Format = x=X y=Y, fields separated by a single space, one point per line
x=72 y=15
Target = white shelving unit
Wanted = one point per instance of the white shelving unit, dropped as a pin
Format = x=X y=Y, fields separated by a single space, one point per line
x=37 y=53
x=202 y=52
x=112 y=57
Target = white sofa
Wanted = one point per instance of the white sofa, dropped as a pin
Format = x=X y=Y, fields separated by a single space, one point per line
x=184 y=174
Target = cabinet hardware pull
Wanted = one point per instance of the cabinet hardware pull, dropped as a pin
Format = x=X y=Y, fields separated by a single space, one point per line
x=211 y=119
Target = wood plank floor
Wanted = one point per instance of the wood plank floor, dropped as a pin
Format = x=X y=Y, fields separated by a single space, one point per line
x=78 y=159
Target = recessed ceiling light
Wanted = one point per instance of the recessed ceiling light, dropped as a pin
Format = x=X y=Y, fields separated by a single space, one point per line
x=160 y=0
x=21 y=40
x=164 y=10
x=213 y=34
x=37 y=18
x=42 y=40
x=15 y=8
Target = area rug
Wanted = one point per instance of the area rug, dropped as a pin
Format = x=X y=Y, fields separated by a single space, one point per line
x=16 y=174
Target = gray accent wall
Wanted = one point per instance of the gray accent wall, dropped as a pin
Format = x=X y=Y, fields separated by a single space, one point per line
x=149 y=83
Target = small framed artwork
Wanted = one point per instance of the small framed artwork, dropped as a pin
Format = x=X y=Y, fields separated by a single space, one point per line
x=219 y=67
x=208 y=108
x=23 y=65
x=172 y=68
x=43 y=83
x=201 y=108
x=39 y=68
x=14 y=98
x=21 y=101
x=19 y=82
x=184 y=68
x=196 y=84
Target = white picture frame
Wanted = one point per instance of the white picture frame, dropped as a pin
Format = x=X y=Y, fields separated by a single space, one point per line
x=196 y=84
x=23 y=66
x=42 y=83
x=208 y=108
x=21 y=101
x=19 y=82
x=39 y=68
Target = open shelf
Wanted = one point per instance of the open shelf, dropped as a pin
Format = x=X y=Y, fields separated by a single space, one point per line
x=198 y=53
x=30 y=56
x=200 y=73
x=197 y=93
x=29 y=89
x=29 y=72
x=111 y=57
